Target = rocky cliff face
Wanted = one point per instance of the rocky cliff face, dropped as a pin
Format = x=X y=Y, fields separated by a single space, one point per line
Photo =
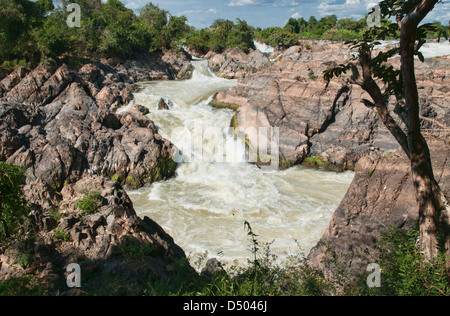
x=327 y=122
x=235 y=64
x=381 y=196
x=59 y=123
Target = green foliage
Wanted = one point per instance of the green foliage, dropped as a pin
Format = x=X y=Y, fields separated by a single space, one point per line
x=403 y=273
x=23 y=286
x=262 y=276
x=13 y=207
x=136 y=250
x=370 y=38
x=404 y=270
x=222 y=35
x=282 y=39
x=18 y=18
x=34 y=31
x=90 y=203
x=330 y=28
x=327 y=28
x=60 y=234
x=200 y=42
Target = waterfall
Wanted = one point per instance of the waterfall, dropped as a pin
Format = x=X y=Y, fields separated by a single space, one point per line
x=216 y=190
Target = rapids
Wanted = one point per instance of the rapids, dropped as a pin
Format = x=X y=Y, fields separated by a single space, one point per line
x=216 y=190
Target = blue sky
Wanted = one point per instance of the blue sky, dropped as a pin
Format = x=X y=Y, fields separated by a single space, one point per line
x=265 y=13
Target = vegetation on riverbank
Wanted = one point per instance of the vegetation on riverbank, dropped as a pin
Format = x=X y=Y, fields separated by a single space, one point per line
x=33 y=31
x=327 y=28
x=403 y=273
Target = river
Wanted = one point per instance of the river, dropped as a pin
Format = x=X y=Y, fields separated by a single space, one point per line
x=216 y=190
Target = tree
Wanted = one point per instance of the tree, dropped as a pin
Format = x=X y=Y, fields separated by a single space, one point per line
x=199 y=41
x=17 y=19
x=174 y=30
x=154 y=17
x=434 y=219
x=312 y=23
x=13 y=207
x=241 y=36
x=292 y=26
x=282 y=39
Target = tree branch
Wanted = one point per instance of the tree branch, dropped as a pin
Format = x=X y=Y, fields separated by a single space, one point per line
x=380 y=102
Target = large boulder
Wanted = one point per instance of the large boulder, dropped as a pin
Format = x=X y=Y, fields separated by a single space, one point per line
x=235 y=63
x=381 y=196
x=59 y=123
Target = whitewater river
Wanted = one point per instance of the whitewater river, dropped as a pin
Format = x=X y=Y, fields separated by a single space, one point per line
x=216 y=190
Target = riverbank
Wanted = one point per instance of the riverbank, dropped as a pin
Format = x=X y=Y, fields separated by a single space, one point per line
x=58 y=122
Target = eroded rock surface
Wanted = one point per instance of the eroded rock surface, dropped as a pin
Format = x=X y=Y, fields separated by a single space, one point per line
x=327 y=121
x=59 y=123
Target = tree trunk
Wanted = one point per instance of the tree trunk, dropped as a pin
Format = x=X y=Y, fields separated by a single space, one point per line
x=426 y=187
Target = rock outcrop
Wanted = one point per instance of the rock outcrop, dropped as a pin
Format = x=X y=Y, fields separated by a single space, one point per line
x=381 y=196
x=235 y=64
x=118 y=252
x=59 y=123
x=326 y=121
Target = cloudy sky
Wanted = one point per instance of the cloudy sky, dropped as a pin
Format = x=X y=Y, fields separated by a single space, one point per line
x=265 y=13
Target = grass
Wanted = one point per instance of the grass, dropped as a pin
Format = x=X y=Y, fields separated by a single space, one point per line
x=316 y=161
x=403 y=273
x=219 y=105
x=90 y=203
x=23 y=286
x=60 y=234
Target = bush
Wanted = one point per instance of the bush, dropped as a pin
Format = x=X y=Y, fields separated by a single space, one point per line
x=282 y=39
x=90 y=203
x=23 y=286
x=404 y=273
x=404 y=270
x=13 y=206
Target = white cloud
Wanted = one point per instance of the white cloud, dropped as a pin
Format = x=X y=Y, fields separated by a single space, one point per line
x=275 y=3
x=245 y=3
x=441 y=12
x=347 y=8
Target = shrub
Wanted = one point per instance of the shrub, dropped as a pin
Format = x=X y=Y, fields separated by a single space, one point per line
x=23 y=286
x=60 y=234
x=13 y=207
x=404 y=270
x=90 y=203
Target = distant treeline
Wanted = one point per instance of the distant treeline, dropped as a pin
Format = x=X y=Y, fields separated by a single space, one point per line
x=326 y=28
x=32 y=31
x=223 y=34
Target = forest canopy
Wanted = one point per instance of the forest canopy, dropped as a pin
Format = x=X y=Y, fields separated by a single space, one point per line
x=33 y=31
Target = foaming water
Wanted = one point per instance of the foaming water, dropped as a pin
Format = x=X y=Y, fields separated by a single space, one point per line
x=205 y=205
